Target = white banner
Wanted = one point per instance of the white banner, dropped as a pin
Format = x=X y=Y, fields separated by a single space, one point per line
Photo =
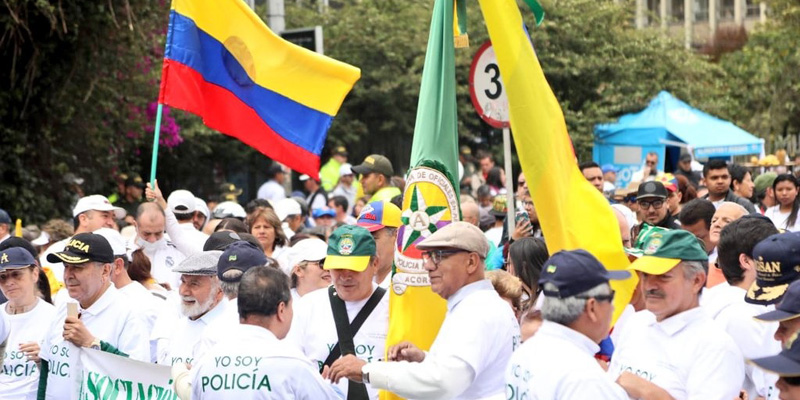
x=108 y=376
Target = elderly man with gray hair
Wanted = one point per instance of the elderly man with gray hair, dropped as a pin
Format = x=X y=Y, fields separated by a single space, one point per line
x=577 y=311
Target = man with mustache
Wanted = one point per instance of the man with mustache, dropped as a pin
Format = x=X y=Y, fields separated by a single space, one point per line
x=678 y=347
x=202 y=302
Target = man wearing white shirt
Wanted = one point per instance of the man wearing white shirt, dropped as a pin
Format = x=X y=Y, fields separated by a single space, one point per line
x=253 y=349
x=354 y=296
x=163 y=255
x=202 y=302
x=676 y=347
x=272 y=189
x=105 y=319
x=179 y=211
x=469 y=356
x=725 y=303
x=558 y=362
x=382 y=218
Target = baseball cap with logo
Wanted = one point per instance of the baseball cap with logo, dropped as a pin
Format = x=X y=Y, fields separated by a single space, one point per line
x=457 y=235
x=379 y=214
x=229 y=191
x=788 y=308
x=135 y=180
x=499 y=206
x=97 y=202
x=670 y=182
x=340 y=150
x=15 y=258
x=350 y=247
x=84 y=247
x=575 y=271
x=786 y=363
x=652 y=189
x=664 y=250
x=375 y=163
x=239 y=256
x=204 y=263
x=181 y=202
x=777 y=265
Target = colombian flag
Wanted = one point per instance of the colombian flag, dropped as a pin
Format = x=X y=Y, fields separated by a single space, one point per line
x=573 y=214
x=223 y=64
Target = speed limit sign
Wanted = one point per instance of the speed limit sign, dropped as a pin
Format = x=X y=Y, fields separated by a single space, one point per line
x=486 y=88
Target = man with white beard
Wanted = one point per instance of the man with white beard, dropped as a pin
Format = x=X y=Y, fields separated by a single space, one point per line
x=202 y=302
x=163 y=255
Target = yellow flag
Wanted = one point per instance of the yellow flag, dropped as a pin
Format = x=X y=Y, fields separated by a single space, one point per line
x=572 y=213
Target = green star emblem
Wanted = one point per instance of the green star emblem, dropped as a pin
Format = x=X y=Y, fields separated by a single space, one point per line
x=421 y=218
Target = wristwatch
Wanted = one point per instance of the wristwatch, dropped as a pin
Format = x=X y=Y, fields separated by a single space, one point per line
x=364 y=375
x=95 y=344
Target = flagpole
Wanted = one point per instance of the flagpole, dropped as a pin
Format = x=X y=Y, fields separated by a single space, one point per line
x=510 y=198
x=154 y=161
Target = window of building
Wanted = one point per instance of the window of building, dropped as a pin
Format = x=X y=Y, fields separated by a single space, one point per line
x=701 y=10
x=677 y=10
x=727 y=9
x=753 y=8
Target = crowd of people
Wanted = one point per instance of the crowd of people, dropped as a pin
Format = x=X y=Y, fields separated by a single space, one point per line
x=285 y=296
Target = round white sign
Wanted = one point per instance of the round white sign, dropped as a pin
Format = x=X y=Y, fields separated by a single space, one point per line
x=486 y=88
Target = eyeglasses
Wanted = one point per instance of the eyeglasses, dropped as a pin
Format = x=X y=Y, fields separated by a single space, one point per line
x=15 y=274
x=629 y=199
x=601 y=297
x=438 y=255
x=321 y=263
x=646 y=204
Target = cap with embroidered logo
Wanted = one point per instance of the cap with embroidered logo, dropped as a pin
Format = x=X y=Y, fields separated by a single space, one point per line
x=97 y=202
x=350 y=247
x=379 y=214
x=664 y=250
x=15 y=258
x=777 y=265
x=240 y=256
x=785 y=363
x=375 y=163
x=788 y=308
x=84 y=247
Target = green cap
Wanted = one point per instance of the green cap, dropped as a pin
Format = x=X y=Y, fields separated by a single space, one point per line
x=644 y=235
x=763 y=181
x=664 y=250
x=350 y=247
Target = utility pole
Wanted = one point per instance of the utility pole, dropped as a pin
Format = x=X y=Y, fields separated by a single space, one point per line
x=275 y=14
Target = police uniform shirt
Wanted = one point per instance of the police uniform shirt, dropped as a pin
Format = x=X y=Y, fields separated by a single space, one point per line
x=469 y=357
x=726 y=305
x=688 y=355
x=314 y=330
x=179 y=346
x=20 y=376
x=251 y=363
x=110 y=319
x=558 y=364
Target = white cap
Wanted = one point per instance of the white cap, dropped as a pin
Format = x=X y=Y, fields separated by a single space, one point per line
x=311 y=249
x=228 y=209
x=114 y=239
x=97 y=202
x=201 y=206
x=346 y=169
x=286 y=207
x=181 y=202
x=303 y=177
x=43 y=239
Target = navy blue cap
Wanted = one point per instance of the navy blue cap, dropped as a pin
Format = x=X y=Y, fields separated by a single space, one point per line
x=4 y=217
x=15 y=257
x=574 y=272
x=777 y=265
x=785 y=363
x=788 y=308
x=242 y=256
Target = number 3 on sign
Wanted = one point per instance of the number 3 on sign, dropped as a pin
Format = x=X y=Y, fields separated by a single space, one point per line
x=486 y=88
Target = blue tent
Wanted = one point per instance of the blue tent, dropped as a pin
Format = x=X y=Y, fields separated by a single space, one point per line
x=665 y=126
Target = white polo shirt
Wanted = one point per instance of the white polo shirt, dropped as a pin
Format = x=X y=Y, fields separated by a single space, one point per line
x=20 y=376
x=726 y=305
x=314 y=330
x=178 y=347
x=558 y=364
x=469 y=357
x=688 y=355
x=110 y=319
x=148 y=305
x=250 y=362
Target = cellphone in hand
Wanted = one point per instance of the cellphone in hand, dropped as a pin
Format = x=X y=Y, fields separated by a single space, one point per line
x=523 y=217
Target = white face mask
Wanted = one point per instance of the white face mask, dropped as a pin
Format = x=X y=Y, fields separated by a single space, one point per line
x=150 y=248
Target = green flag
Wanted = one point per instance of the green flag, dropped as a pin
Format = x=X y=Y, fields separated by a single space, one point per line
x=430 y=200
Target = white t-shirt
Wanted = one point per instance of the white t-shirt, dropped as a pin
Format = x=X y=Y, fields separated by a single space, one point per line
x=251 y=363
x=179 y=346
x=726 y=305
x=217 y=329
x=148 y=305
x=20 y=377
x=494 y=235
x=163 y=257
x=314 y=330
x=110 y=319
x=781 y=218
x=271 y=190
x=187 y=239
x=558 y=363
x=688 y=355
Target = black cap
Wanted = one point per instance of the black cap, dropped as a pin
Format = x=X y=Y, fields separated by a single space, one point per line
x=574 y=272
x=777 y=260
x=82 y=248
x=686 y=157
x=788 y=308
x=4 y=217
x=652 y=189
x=15 y=257
x=135 y=180
x=242 y=256
x=220 y=240
x=785 y=363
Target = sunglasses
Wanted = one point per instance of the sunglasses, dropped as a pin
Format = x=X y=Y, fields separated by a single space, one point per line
x=603 y=297
x=15 y=274
x=655 y=203
x=438 y=255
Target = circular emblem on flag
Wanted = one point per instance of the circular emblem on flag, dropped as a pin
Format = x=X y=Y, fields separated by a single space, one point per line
x=346 y=246
x=238 y=61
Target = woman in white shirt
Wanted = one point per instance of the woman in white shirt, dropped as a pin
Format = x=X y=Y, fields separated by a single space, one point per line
x=784 y=214
x=266 y=227
x=29 y=318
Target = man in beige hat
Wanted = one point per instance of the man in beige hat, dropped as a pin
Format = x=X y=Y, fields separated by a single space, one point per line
x=469 y=356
